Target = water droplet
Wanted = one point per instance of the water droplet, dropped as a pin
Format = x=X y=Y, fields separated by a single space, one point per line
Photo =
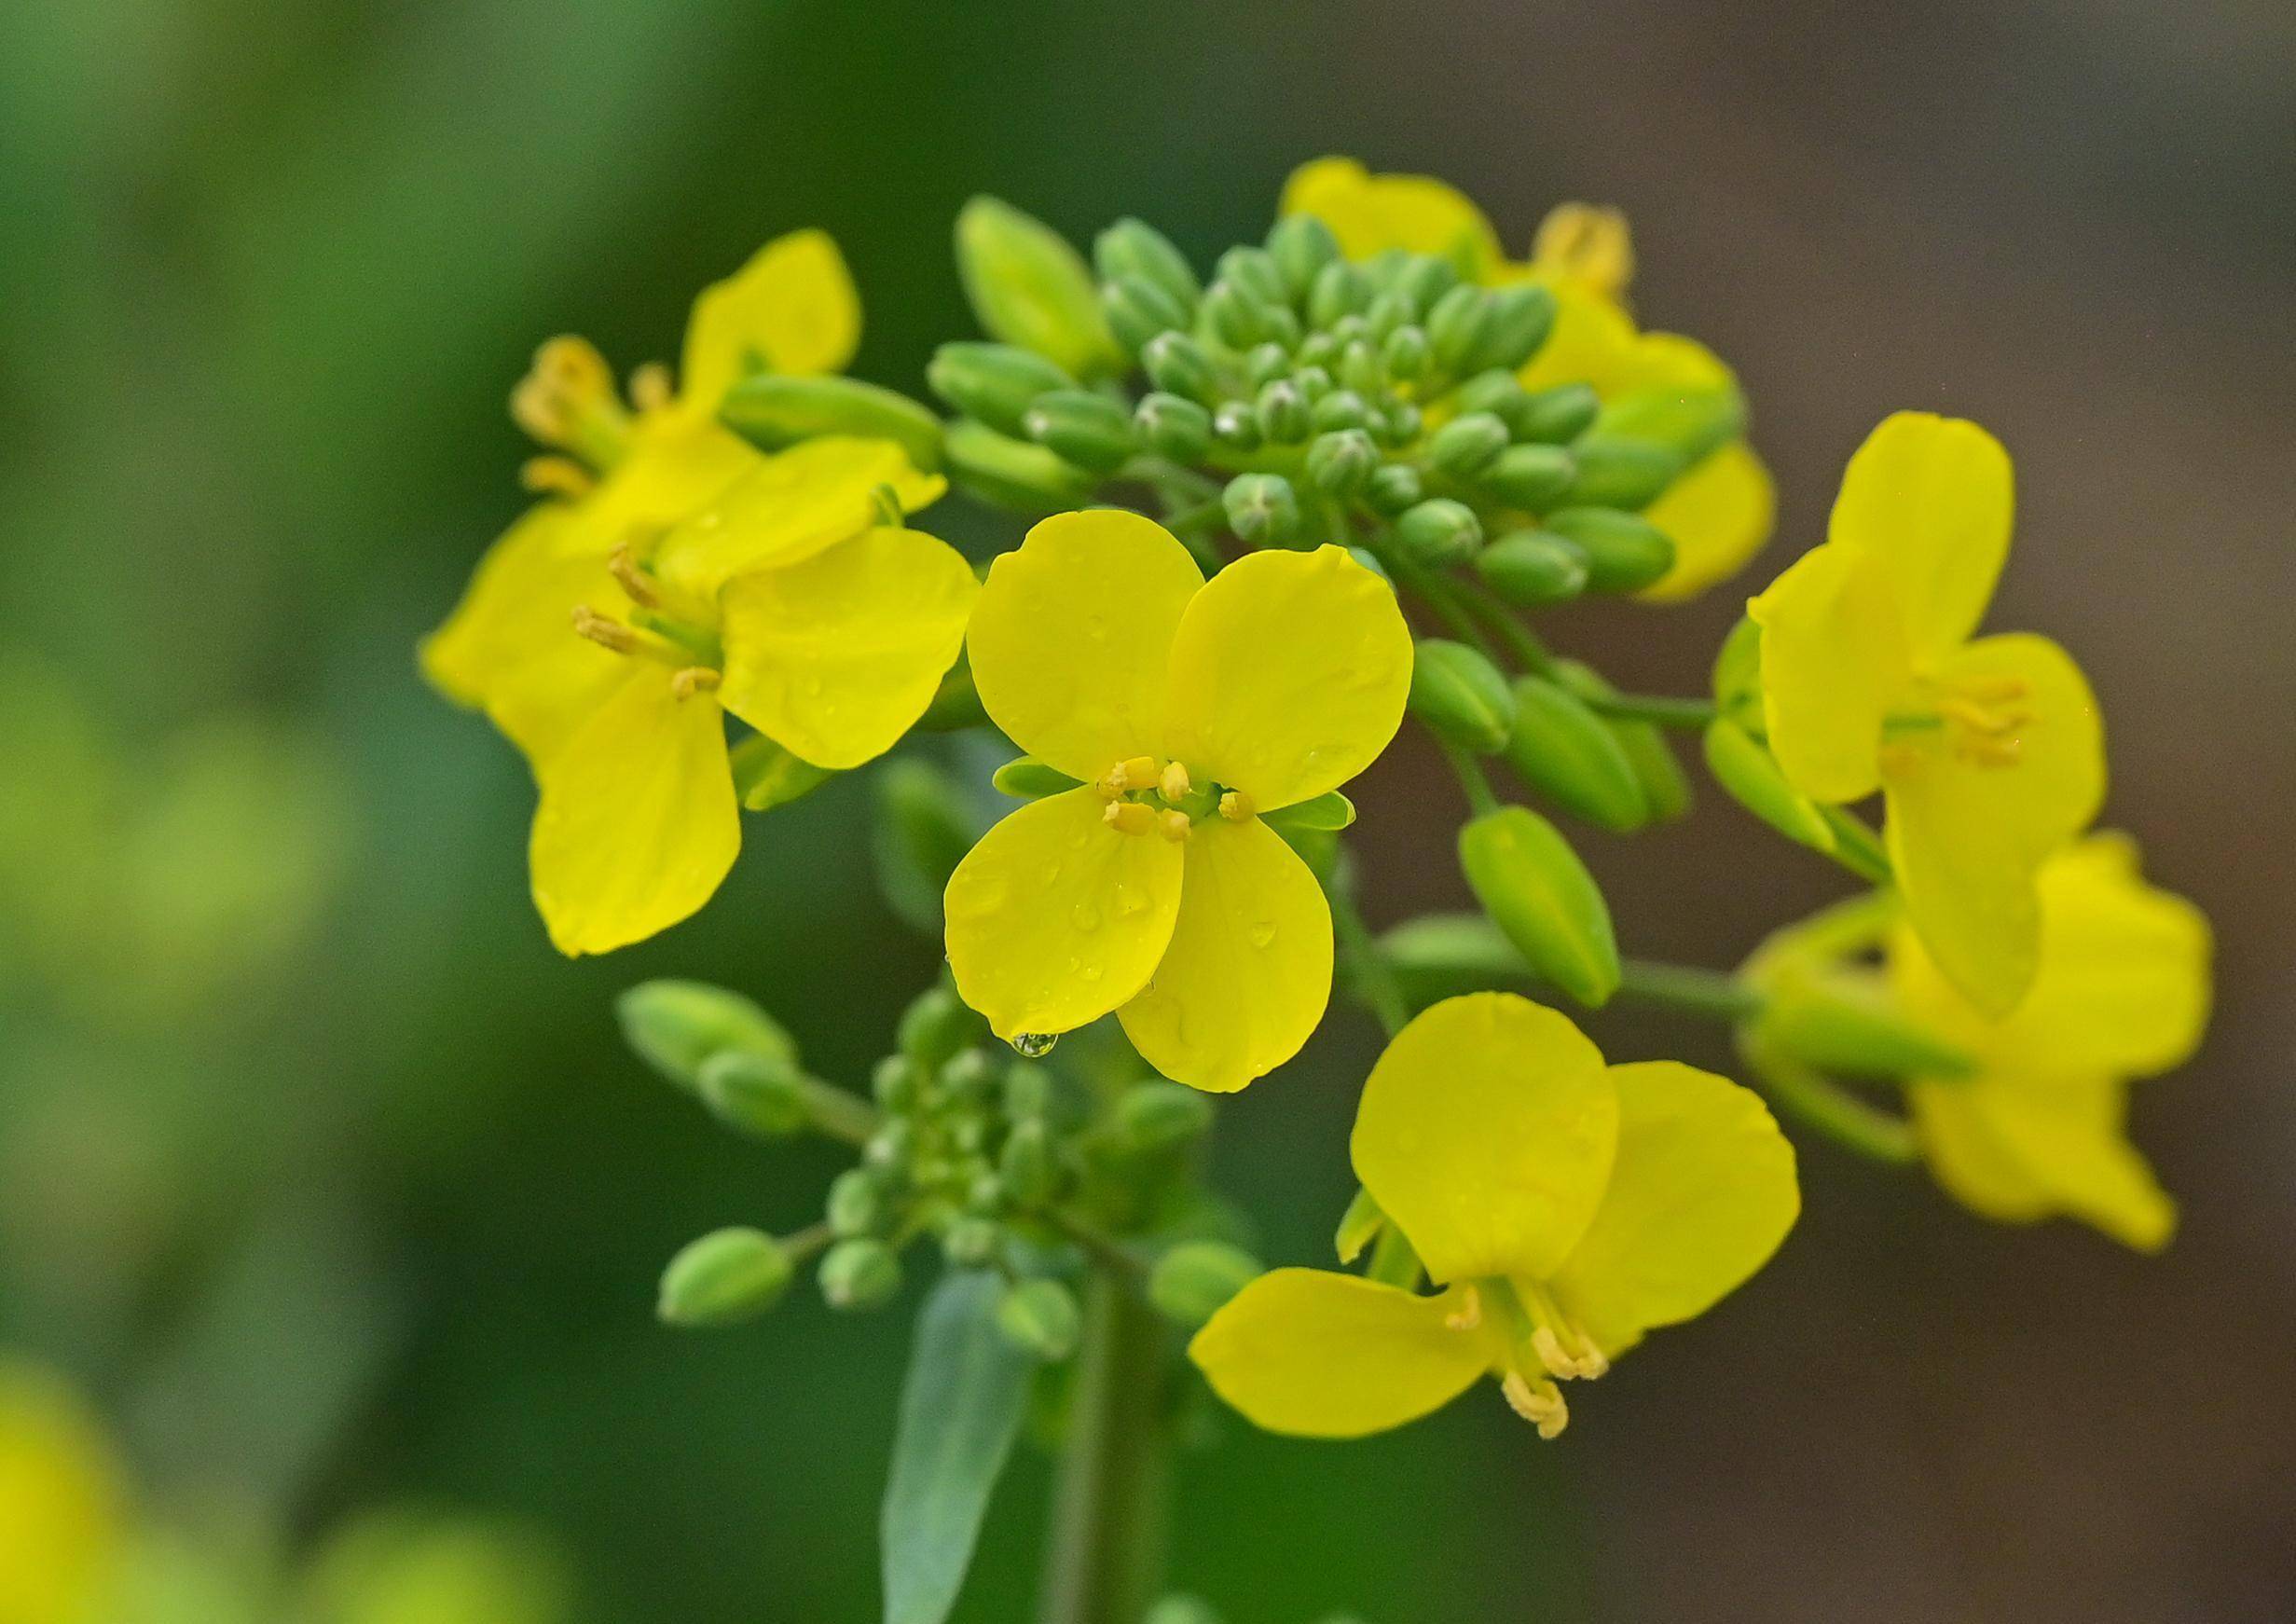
x=1130 y=900
x=1034 y=1045
x=1085 y=917
x=1262 y=933
x=1090 y=972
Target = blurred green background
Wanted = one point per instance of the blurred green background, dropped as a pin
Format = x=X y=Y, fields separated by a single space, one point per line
x=331 y=1181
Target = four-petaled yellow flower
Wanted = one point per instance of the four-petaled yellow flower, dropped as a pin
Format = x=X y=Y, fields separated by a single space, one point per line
x=681 y=575
x=62 y=1511
x=1565 y=1207
x=1186 y=708
x=2121 y=993
x=1989 y=753
x=1720 y=511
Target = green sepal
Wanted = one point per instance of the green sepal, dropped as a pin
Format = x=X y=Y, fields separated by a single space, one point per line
x=1627 y=474
x=1328 y=812
x=1026 y=778
x=995 y=384
x=1846 y=1020
x=1533 y=887
x=724 y=1277
x=1358 y=1227
x=1566 y=752
x=771 y=410
x=1531 y=569
x=1009 y=472
x=1461 y=697
x=1750 y=775
x=1027 y=286
x=1625 y=551
x=1690 y=423
x=676 y=1026
x=765 y=776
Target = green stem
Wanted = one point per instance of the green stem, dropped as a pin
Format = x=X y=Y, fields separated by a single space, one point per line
x=1693 y=715
x=839 y=1115
x=1820 y=1104
x=1369 y=973
x=1105 y=1557
x=1437 y=593
x=1521 y=640
x=1856 y=847
x=1474 y=784
x=1688 y=988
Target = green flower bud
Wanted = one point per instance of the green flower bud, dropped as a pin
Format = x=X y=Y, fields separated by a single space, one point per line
x=1340 y=289
x=1266 y=363
x=1080 y=427
x=761 y=1094
x=1625 y=551
x=1691 y=423
x=936 y=1027
x=1160 y=1116
x=1467 y=443
x=1342 y=408
x=1318 y=350
x=1750 y=775
x=1455 y=328
x=895 y=1082
x=1027 y=286
x=970 y=1240
x=860 y=1274
x=1439 y=532
x=1283 y=414
x=857 y=1203
x=1255 y=272
x=1341 y=463
x=1025 y=1164
x=1388 y=311
x=893 y=1146
x=1009 y=472
x=1137 y=310
x=1460 y=696
x=1567 y=753
x=1176 y=364
x=1180 y=1609
x=1233 y=316
x=1193 y=1281
x=1393 y=489
x=1027 y=1092
x=1406 y=355
x=1621 y=473
x=774 y=409
x=1313 y=382
x=1531 y=885
x=1262 y=509
x=1553 y=417
x=1528 y=476
x=677 y=1025
x=1738 y=675
x=1666 y=788
x=969 y=1075
x=1026 y=778
x=1303 y=248
x=1361 y=370
x=919 y=836
x=1521 y=319
x=1496 y=392
x=1041 y=1316
x=1425 y=280
x=1136 y=248
x=1172 y=426
x=993 y=382
x=724 y=1278
x=1531 y=569
x=1398 y=425
x=1236 y=427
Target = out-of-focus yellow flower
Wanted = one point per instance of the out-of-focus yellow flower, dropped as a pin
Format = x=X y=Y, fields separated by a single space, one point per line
x=2121 y=992
x=1718 y=512
x=63 y=1517
x=1186 y=709
x=1989 y=753
x=1565 y=1207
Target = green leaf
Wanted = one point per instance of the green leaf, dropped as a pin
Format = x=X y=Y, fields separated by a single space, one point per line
x=967 y=1388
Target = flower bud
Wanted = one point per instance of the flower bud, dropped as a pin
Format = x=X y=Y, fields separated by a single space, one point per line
x=1172 y=426
x=860 y=1274
x=1621 y=473
x=1175 y=362
x=1531 y=569
x=1342 y=408
x=1737 y=681
x=1283 y=414
x=921 y=834
x=1027 y=1093
x=1182 y=1609
x=1521 y=317
x=1456 y=325
x=1750 y=775
x=1254 y=271
x=1233 y=316
x=1303 y=248
x=1041 y=1316
x=970 y=1241
x=724 y=1278
x=1009 y=472
x=774 y=409
x=1080 y=427
x=1160 y=1116
x=1625 y=551
x=1398 y=425
x=1262 y=509
x=1388 y=311
x=1439 y=532
x=937 y=1027
x=1025 y=1164
x=969 y=1077
x=1236 y=427
x=1136 y=248
x=1027 y=286
x=1531 y=885
x=1193 y=1281
x=1360 y=369
x=1567 y=753
x=894 y=1083
x=1405 y=354
x=1138 y=310
x=1460 y=696
x=893 y=1147
x=1424 y=279
x=1691 y=423
x=1849 y=1024
x=1528 y=476
x=1393 y=489
x=1553 y=417
x=675 y=1027
x=993 y=382
x=1666 y=788
x=1467 y=443
x=1341 y=463
x=760 y=1094
x=1313 y=382
x=1493 y=391
x=857 y=1203
x=1266 y=363
x=1340 y=290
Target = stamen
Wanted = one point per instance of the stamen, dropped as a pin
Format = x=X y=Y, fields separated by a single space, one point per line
x=567 y=399
x=604 y=631
x=1128 y=816
x=1174 y=825
x=1972 y=715
x=1470 y=1314
x=1542 y=1406
x=554 y=475
x=1589 y=244
x=622 y=564
x=651 y=389
x=1135 y=773
x=1174 y=785
x=692 y=680
x=1235 y=806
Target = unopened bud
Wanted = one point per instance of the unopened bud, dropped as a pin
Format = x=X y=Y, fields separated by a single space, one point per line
x=1621 y=473
x=1460 y=696
x=1737 y=681
x=1283 y=414
x=1041 y=1316
x=1439 y=532
x=1027 y=1092
x=1467 y=443
x=1341 y=462
x=1531 y=569
x=1160 y=1116
x=1405 y=354
x=1194 y=1280
x=761 y=1094
x=774 y=409
x=936 y=1027
x=1340 y=290
x=1172 y=427
x=1254 y=271
x=970 y=1240
x=1569 y=754
x=675 y=1027
x=860 y=1274
x=1521 y=319
x=724 y=1278
x=1027 y=286
x=1262 y=509
x=1176 y=364
x=1136 y=248
x=1625 y=551
x=1750 y=775
x=1010 y=473
x=1266 y=363
x=1554 y=417
x=1342 y=408
x=1530 y=477
x=1399 y=424
x=894 y=1084
x=1301 y=247
x=1691 y=423
x=1425 y=278
x=857 y=1203
x=1393 y=489
x=1024 y=1164
x=1236 y=427
x=995 y=384
x=1233 y=317
x=1455 y=328
x=1082 y=427
x=1138 y=310
x=1533 y=887
x=1666 y=788
x=969 y=1076
x=1848 y=1023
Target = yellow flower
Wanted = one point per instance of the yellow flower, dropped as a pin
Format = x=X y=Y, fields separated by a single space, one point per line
x=2121 y=992
x=1563 y=1206
x=1186 y=708
x=609 y=632
x=63 y=1518
x=1720 y=511
x=1989 y=753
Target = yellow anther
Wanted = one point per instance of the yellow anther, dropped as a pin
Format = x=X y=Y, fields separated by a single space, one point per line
x=622 y=564
x=555 y=476
x=1975 y=716
x=1586 y=1362
x=1470 y=1314
x=1136 y=772
x=567 y=399
x=690 y=679
x=1587 y=244
x=1173 y=785
x=1990 y=752
x=1128 y=816
x=1235 y=806
x=651 y=389
x=1542 y=1406
x=604 y=631
x=1174 y=825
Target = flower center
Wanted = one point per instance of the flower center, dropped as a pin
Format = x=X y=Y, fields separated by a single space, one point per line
x=660 y=624
x=1980 y=717
x=1144 y=795
x=1542 y=1346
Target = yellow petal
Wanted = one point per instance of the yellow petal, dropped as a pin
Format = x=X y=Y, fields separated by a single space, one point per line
x=1486 y=1133
x=1971 y=817
x=1055 y=919
x=1373 y=214
x=1932 y=498
x=835 y=658
x=2018 y=1151
x=638 y=825
x=1701 y=1193
x=679 y=459
x=1319 y=1354
x=1834 y=663
x=517 y=610
x=1593 y=342
x=62 y=1533
x=791 y=309
x=1718 y=515
x=789 y=508
x=1289 y=672
x=1072 y=635
x=1248 y=973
